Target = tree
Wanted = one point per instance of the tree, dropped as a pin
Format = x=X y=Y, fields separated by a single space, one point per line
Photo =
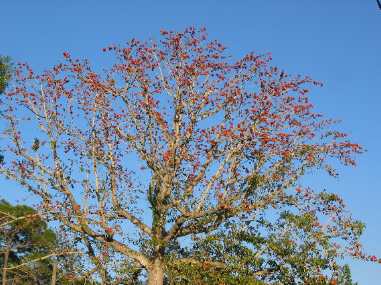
x=175 y=141
x=24 y=236
x=291 y=250
x=31 y=252
x=5 y=72
x=345 y=276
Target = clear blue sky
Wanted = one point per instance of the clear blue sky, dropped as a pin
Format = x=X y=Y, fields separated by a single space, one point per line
x=337 y=42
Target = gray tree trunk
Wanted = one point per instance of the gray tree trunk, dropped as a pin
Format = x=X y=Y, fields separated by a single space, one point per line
x=54 y=274
x=156 y=273
x=5 y=265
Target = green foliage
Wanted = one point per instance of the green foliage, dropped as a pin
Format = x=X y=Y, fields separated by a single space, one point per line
x=345 y=276
x=27 y=237
x=288 y=246
x=5 y=72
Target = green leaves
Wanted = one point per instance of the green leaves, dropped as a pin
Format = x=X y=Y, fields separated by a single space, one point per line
x=297 y=244
x=5 y=72
x=27 y=237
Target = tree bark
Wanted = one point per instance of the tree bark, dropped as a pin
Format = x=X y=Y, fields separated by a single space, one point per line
x=156 y=273
x=54 y=274
x=5 y=265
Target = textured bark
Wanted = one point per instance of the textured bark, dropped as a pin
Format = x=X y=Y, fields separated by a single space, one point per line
x=54 y=274
x=6 y=256
x=156 y=273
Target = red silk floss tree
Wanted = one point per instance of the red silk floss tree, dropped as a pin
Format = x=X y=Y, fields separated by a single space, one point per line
x=175 y=139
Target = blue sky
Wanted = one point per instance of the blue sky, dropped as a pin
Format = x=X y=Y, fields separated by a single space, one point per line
x=337 y=42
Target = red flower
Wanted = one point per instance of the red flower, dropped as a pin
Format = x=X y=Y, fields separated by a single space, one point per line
x=109 y=230
x=166 y=155
x=66 y=54
x=373 y=258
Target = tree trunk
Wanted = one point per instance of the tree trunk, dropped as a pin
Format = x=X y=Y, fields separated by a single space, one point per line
x=156 y=273
x=5 y=265
x=54 y=274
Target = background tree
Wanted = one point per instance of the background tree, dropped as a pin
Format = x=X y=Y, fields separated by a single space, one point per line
x=174 y=140
x=345 y=277
x=24 y=236
x=5 y=72
x=287 y=247
x=31 y=251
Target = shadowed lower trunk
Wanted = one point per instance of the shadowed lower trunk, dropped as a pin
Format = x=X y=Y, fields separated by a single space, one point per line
x=5 y=264
x=156 y=273
x=54 y=274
